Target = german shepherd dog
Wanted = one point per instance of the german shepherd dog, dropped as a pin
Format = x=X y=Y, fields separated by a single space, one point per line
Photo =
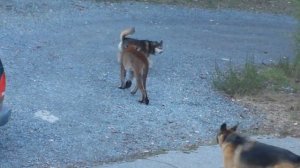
x=135 y=61
x=240 y=152
x=146 y=46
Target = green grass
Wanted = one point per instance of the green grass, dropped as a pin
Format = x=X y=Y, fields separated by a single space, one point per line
x=284 y=75
x=235 y=81
x=276 y=79
x=296 y=63
x=251 y=78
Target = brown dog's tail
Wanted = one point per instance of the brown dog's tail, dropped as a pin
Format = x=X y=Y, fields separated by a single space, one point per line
x=126 y=32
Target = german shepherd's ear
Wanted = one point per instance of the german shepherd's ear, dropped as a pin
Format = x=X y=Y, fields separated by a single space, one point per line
x=234 y=128
x=223 y=127
x=161 y=42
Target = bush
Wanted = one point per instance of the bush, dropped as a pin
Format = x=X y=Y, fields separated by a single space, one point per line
x=241 y=82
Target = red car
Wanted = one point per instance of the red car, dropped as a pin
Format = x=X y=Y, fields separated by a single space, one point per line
x=4 y=111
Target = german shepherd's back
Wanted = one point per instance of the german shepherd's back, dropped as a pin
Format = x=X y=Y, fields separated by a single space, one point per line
x=240 y=152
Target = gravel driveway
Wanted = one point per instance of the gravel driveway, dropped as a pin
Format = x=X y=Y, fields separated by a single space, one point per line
x=62 y=78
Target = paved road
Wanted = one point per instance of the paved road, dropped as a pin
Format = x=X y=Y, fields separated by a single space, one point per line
x=203 y=157
x=62 y=78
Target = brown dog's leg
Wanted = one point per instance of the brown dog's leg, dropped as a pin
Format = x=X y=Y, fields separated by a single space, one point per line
x=140 y=85
x=122 y=77
x=130 y=78
x=134 y=90
x=145 y=73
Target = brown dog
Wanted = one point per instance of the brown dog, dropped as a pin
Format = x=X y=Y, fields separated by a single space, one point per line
x=135 y=61
x=240 y=152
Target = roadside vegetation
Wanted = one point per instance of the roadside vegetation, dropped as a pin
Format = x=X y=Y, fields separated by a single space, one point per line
x=271 y=89
x=251 y=79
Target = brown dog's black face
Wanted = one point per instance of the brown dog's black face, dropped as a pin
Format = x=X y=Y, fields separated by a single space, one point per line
x=224 y=132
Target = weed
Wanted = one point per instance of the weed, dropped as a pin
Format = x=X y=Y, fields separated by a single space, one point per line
x=239 y=81
x=250 y=79
x=275 y=77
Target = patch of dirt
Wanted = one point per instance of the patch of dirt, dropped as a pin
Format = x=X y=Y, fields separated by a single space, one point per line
x=281 y=110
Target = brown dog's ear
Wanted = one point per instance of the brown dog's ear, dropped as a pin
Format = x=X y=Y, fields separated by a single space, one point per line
x=161 y=42
x=223 y=127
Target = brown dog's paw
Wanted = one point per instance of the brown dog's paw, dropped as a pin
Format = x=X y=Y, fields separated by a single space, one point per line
x=133 y=92
x=128 y=84
x=146 y=101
